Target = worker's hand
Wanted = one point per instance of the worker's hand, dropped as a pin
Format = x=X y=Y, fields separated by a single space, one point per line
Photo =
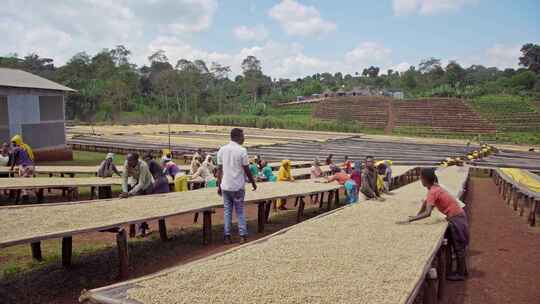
x=254 y=186
x=219 y=191
x=124 y=195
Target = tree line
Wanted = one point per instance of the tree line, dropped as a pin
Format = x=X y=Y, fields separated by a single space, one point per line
x=111 y=88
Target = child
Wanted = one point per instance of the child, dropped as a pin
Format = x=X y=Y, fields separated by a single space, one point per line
x=458 y=227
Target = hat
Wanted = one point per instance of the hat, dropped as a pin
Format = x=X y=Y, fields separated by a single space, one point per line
x=109 y=156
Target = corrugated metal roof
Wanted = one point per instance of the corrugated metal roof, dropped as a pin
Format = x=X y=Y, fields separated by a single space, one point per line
x=22 y=79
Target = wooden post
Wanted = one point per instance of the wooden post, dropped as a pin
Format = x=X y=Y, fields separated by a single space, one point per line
x=430 y=288
x=36 y=251
x=132 y=230
x=515 y=200
x=67 y=243
x=532 y=212
x=163 y=230
x=330 y=198
x=261 y=216
x=196 y=218
x=300 y=212
x=123 y=254
x=337 y=198
x=207 y=227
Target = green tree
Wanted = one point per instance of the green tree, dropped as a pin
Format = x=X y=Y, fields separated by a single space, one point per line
x=530 y=57
x=253 y=76
x=455 y=73
x=524 y=80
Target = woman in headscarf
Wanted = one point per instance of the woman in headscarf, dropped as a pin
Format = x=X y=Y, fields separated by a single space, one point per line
x=209 y=163
x=107 y=169
x=385 y=174
x=267 y=172
x=23 y=157
x=203 y=172
x=284 y=175
x=315 y=170
x=170 y=168
x=195 y=163
x=356 y=175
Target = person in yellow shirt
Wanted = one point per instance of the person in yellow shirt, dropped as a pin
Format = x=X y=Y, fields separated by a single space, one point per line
x=284 y=175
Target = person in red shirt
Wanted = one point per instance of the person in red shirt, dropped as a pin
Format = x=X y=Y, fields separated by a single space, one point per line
x=458 y=227
x=344 y=179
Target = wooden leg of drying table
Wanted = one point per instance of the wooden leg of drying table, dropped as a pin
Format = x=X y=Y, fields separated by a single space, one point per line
x=67 y=243
x=441 y=269
x=330 y=198
x=123 y=254
x=163 y=230
x=261 y=216
x=207 y=227
x=268 y=206
x=300 y=212
x=36 y=251
x=430 y=289
x=40 y=196
x=132 y=230
x=321 y=200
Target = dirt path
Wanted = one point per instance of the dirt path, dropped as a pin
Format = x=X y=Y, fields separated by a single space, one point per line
x=504 y=263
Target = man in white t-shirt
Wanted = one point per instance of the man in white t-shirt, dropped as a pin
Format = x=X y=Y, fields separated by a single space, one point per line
x=233 y=168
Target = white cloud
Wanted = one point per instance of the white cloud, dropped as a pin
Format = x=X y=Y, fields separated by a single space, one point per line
x=428 y=7
x=401 y=67
x=60 y=29
x=368 y=53
x=256 y=33
x=502 y=56
x=300 y=20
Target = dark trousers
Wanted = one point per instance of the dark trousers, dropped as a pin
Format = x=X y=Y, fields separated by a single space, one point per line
x=458 y=234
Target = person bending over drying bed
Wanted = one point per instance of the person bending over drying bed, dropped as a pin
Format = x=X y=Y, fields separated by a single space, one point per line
x=344 y=179
x=137 y=170
x=447 y=204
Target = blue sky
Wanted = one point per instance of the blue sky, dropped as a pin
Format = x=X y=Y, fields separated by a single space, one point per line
x=292 y=38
